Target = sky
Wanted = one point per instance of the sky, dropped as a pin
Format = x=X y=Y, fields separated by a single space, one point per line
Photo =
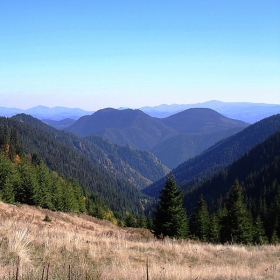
x=97 y=54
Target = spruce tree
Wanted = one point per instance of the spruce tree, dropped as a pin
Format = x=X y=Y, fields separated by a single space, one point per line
x=200 y=220
x=259 y=232
x=130 y=221
x=170 y=217
x=238 y=221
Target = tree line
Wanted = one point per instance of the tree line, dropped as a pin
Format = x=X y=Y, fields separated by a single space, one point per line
x=232 y=223
x=25 y=178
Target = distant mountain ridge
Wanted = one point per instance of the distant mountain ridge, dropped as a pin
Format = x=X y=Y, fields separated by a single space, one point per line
x=246 y=111
x=220 y=155
x=144 y=132
x=43 y=112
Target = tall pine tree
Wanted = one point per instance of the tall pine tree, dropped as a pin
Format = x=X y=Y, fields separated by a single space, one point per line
x=200 y=220
x=170 y=218
x=237 y=226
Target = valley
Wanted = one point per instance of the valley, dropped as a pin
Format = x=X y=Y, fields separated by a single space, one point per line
x=104 y=193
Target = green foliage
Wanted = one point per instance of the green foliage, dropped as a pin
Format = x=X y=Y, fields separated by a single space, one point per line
x=142 y=221
x=200 y=221
x=192 y=173
x=259 y=236
x=258 y=172
x=170 y=218
x=26 y=179
x=130 y=221
x=237 y=226
x=73 y=157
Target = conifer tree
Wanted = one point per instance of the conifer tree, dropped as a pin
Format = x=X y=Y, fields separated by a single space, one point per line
x=142 y=221
x=258 y=232
x=170 y=217
x=215 y=228
x=130 y=221
x=200 y=220
x=238 y=222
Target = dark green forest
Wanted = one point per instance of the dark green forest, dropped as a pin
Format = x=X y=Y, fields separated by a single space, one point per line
x=238 y=204
x=69 y=163
x=24 y=178
x=241 y=204
x=257 y=175
x=140 y=168
x=219 y=156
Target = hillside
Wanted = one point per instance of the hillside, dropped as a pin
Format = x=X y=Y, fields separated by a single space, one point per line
x=220 y=155
x=59 y=124
x=175 y=150
x=201 y=120
x=83 y=247
x=140 y=168
x=120 y=195
x=123 y=127
x=258 y=171
x=24 y=178
x=143 y=132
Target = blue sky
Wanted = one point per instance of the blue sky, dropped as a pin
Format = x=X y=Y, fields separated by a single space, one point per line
x=97 y=54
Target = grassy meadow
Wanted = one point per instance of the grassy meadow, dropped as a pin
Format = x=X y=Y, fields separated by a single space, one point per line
x=73 y=247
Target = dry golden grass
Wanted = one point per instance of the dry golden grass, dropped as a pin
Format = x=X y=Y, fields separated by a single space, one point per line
x=82 y=247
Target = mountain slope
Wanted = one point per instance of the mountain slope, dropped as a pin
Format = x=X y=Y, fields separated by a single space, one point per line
x=220 y=155
x=59 y=124
x=24 y=178
x=141 y=131
x=257 y=171
x=140 y=168
x=201 y=120
x=71 y=163
x=123 y=127
x=175 y=150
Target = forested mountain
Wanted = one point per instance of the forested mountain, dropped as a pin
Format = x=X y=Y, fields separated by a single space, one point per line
x=140 y=168
x=182 y=147
x=123 y=127
x=59 y=124
x=120 y=195
x=201 y=120
x=257 y=171
x=220 y=155
x=24 y=178
x=141 y=131
x=243 y=200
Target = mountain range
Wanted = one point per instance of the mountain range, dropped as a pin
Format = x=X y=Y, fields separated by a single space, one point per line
x=126 y=180
x=245 y=111
x=201 y=126
x=66 y=155
x=43 y=112
x=140 y=168
x=258 y=171
x=219 y=156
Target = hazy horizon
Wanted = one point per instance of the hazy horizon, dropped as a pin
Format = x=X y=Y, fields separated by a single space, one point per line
x=99 y=54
